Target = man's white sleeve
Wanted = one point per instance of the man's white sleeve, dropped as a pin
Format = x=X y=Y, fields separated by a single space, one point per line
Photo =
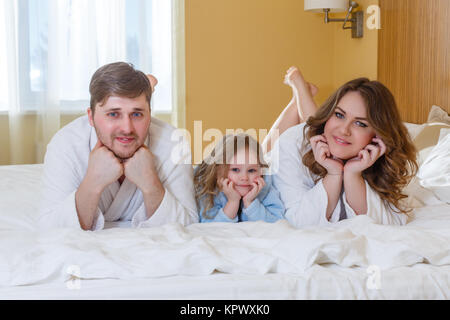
x=60 y=181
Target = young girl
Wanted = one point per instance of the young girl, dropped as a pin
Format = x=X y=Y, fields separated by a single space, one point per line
x=352 y=156
x=230 y=187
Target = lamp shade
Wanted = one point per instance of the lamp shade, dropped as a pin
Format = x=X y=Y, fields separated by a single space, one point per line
x=319 y=5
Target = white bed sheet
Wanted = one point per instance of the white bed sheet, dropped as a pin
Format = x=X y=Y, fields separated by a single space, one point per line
x=255 y=260
x=420 y=281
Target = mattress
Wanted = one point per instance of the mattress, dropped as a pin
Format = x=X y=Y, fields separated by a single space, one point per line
x=353 y=259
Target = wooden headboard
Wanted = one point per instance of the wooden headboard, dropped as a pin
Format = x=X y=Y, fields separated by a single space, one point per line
x=414 y=55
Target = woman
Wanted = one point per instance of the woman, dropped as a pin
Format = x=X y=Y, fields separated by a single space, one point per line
x=352 y=156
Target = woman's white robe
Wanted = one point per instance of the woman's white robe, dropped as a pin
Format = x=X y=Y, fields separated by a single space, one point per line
x=65 y=167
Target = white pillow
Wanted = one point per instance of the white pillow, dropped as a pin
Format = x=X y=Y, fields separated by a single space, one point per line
x=20 y=194
x=425 y=137
x=414 y=129
x=437 y=114
x=434 y=173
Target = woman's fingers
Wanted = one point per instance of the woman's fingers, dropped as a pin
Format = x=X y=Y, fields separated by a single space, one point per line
x=374 y=151
x=381 y=144
x=322 y=147
x=365 y=156
x=314 y=140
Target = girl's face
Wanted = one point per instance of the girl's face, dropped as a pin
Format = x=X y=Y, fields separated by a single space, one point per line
x=244 y=170
x=348 y=131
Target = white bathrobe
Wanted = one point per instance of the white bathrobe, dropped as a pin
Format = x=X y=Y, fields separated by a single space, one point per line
x=65 y=167
x=306 y=202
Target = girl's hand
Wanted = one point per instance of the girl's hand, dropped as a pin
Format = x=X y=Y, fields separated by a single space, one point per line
x=366 y=157
x=227 y=187
x=258 y=185
x=322 y=155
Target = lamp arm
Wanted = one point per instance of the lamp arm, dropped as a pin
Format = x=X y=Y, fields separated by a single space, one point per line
x=357 y=20
x=338 y=20
x=350 y=9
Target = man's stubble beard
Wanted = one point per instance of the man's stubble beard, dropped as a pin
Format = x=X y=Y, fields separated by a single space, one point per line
x=121 y=157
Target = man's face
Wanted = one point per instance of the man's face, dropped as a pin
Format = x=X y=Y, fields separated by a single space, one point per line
x=122 y=124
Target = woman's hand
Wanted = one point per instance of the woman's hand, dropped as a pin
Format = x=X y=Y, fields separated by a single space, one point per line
x=321 y=151
x=366 y=157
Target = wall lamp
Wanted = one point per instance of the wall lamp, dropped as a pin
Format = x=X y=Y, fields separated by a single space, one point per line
x=326 y=6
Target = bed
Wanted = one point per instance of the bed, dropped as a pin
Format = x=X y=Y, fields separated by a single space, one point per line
x=353 y=259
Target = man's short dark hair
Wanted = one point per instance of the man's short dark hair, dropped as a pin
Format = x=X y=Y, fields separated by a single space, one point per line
x=118 y=79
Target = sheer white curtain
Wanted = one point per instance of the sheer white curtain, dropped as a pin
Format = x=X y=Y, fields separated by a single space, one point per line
x=49 y=50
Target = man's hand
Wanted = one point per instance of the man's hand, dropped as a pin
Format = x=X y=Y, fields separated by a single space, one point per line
x=103 y=167
x=258 y=185
x=141 y=170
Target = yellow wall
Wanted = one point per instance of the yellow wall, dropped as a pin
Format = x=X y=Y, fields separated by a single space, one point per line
x=237 y=52
x=355 y=58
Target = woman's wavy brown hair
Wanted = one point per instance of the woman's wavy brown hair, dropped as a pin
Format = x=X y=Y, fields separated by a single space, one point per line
x=392 y=171
x=216 y=165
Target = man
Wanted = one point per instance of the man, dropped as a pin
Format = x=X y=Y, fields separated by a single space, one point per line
x=117 y=163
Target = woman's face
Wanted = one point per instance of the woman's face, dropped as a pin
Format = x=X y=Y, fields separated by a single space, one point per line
x=348 y=131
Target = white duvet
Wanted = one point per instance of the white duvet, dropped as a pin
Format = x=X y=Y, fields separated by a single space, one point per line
x=29 y=256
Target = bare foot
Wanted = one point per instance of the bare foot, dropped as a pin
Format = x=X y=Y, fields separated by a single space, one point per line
x=153 y=81
x=313 y=89
x=294 y=77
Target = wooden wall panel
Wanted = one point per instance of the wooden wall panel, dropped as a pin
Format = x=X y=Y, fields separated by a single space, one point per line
x=414 y=55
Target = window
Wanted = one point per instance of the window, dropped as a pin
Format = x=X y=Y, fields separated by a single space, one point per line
x=58 y=44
